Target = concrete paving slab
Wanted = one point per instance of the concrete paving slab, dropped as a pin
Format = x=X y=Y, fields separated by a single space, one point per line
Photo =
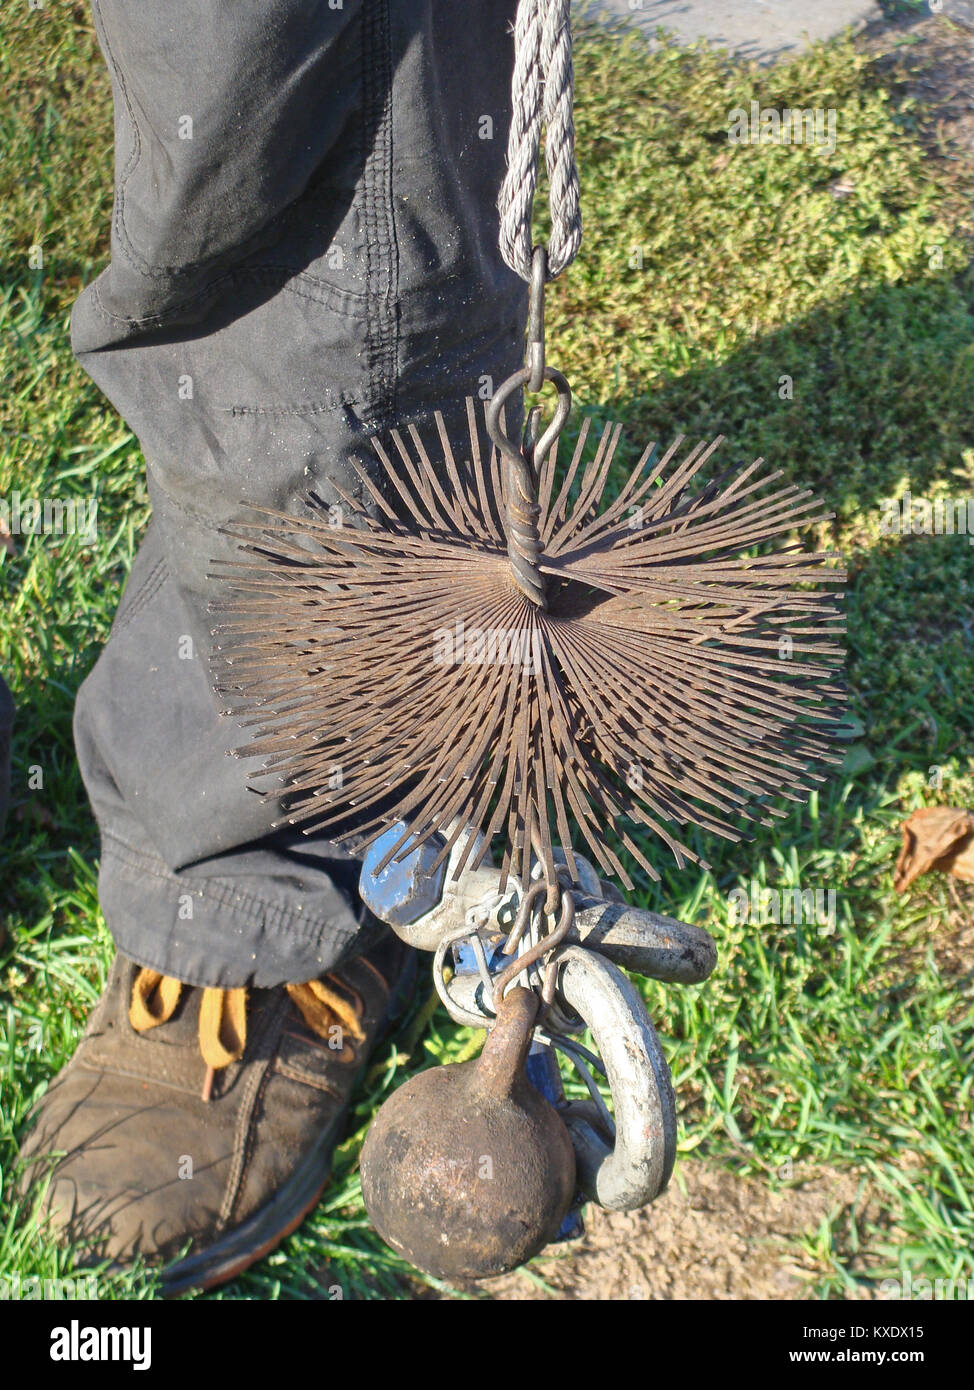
x=761 y=29
x=960 y=11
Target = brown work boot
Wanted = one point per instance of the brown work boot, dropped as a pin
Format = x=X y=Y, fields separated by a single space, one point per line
x=228 y=1149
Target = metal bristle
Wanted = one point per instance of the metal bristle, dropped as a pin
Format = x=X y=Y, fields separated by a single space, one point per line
x=395 y=672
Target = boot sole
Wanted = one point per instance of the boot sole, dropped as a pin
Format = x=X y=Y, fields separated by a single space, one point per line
x=260 y=1233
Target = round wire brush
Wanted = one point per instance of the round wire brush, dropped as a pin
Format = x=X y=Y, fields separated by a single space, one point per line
x=489 y=642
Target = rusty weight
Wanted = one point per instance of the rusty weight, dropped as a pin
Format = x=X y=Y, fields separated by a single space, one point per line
x=467 y=1171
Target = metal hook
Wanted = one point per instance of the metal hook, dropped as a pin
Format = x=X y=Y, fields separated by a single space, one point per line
x=535 y=353
x=521 y=486
x=523 y=461
x=508 y=448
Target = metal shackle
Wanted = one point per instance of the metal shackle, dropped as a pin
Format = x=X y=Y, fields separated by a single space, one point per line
x=634 y=1170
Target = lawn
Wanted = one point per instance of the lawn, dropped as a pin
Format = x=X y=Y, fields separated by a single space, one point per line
x=815 y=306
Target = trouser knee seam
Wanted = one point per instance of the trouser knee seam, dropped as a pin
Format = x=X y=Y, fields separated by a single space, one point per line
x=153 y=582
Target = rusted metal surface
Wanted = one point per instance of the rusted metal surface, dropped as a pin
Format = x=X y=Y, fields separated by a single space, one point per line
x=673 y=678
x=467 y=1171
x=624 y=1161
x=493 y=646
x=491 y=651
x=650 y=943
x=522 y=462
x=625 y=1157
x=547 y=943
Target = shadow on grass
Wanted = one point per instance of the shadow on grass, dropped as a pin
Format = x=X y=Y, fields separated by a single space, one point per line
x=881 y=398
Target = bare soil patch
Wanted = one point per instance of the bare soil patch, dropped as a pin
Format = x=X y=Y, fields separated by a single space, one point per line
x=712 y=1235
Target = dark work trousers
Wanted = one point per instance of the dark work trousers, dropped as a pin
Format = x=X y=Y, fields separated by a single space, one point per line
x=303 y=254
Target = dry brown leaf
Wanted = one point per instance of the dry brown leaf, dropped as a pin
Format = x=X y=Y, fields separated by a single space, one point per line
x=936 y=838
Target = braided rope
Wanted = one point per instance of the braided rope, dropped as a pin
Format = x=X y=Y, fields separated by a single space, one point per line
x=542 y=91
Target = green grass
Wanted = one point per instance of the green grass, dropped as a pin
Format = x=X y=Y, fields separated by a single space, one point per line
x=708 y=273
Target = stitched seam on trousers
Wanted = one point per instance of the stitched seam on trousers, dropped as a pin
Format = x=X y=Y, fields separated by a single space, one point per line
x=154 y=581
x=338 y=301
x=339 y=403
x=118 y=220
x=181 y=507
x=137 y=952
x=331 y=297
x=178 y=505
x=144 y=267
x=381 y=267
x=190 y=512
x=272 y=917
x=258 y=911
